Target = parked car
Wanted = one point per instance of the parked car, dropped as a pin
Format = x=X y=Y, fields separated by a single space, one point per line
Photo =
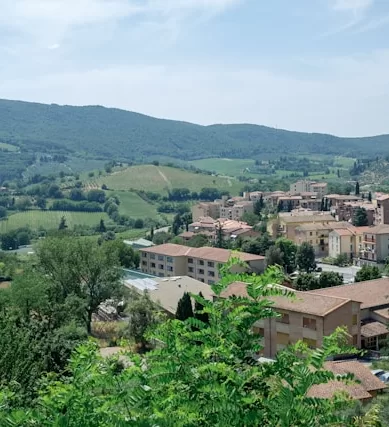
x=377 y=372
x=384 y=377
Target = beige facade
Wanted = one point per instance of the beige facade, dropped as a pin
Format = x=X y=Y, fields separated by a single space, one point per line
x=308 y=317
x=346 y=240
x=381 y=214
x=305 y=186
x=375 y=244
x=203 y=264
x=286 y=223
x=236 y=211
x=206 y=209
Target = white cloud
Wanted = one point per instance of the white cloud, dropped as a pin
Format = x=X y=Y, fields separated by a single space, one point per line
x=54 y=46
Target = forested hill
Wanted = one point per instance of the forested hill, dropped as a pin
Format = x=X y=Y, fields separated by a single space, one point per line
x=117 y=134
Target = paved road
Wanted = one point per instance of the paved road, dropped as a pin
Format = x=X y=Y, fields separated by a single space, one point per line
x=347 y=272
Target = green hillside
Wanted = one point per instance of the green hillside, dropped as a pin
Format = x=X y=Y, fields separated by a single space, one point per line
x=104 y=133
x=161 y=179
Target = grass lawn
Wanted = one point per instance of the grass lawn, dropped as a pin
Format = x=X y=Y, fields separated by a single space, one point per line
x=133 y=205
x=50 y=219
x=161 y=179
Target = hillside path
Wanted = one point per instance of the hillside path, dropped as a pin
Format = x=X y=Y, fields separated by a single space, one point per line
x=164 y=177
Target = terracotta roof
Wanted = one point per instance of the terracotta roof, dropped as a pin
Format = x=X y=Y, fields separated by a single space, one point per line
x=187 y=234
x=372 y=293
x=378 y=229
x=304 y=302
x=319 y=184
x=321 y=226
x=207 y=253
x=343 y=232
x=383 y=197
x=368 y=381
x=308 y=218
x=374 y=329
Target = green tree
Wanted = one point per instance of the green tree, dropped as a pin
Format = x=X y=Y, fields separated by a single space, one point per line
x=102 y=227
x=76 y=194
x=289 y=251
x=41 y=202
x=23 y=238
x=360 y=217
x=251 y=218
x=143 y=315
x=177 y=224
x=82 y=268
x=3 y=212
x=199 y=310
x=368 y=272
x=258 y=206
x=274 y=256
x=198 y=372
x=306 y=282
x=369 y=197
x=198 y=241
x=184 y=307
x=330 y=278
x=62 y=224
x=357 y=188
x=139 y=223
x=127 y=256
x=305 y=257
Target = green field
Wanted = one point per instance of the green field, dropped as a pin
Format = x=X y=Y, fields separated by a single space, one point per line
x=133 y=205
x=50 y=219
x=161 y=179
x=8 y=147
x=230 y=167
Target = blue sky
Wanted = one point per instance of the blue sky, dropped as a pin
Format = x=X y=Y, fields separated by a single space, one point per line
x=310 y=65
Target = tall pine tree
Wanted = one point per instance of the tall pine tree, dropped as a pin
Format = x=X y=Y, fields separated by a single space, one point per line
x=184 y=307
x=357 y=188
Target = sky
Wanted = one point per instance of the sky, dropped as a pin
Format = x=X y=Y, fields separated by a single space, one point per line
x=304 y=65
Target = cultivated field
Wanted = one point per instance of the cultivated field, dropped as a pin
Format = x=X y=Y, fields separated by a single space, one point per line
x=230 y=167
x=50 y=219
x=161 y=179
x=133 y=205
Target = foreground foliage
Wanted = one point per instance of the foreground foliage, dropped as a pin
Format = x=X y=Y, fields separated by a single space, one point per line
x=201 y=375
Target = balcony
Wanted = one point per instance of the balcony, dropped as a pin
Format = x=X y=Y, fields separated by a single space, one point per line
x=369 y=239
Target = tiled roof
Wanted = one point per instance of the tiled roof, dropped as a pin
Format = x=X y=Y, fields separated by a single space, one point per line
x=374 y=329
x=320 y=226
x=378 y=229
x=207 y=253
x=308 y=218
x=343 y=232
x=372 y=293
x=368 y=382
x=304 y=302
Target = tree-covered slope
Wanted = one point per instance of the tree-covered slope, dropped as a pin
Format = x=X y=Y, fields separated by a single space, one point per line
x=117 y=134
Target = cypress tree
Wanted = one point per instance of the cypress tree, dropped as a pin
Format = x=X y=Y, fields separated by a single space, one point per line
x=199 y=307
x=184 y=307
x=357 y=188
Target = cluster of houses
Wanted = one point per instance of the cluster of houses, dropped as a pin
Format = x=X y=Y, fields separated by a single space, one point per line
x=302 y=219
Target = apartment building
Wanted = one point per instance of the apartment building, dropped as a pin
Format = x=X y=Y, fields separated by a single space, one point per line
x=286 y=223
x=230 y=229
x=374 y=309
x=236 y=211
x=317 y=234
x=375 y=244
x=381 y=214
x=346 y=240
x=335 y=200
x=206 y=209
x=346 y=211
x=308 y=317
x=199 y=263
x=305 y=186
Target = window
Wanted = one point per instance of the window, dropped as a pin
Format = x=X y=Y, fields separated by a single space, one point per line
x=169 y=268
x=200 y=271
x=284 y=318
x=355 y=319
x=190 y=269
x=309 y=323
x=211 y=273
x=169 y=259
x=311 y=343
x=160 y=266
x=190 y=260
x=144 y=255
x=161 y=257
x=211 y=264
x=282 y=338
x=201 y=262
x=153 y=265
x=310 y=233
x=152 y=256
x=144 y=262
x=201 y=280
